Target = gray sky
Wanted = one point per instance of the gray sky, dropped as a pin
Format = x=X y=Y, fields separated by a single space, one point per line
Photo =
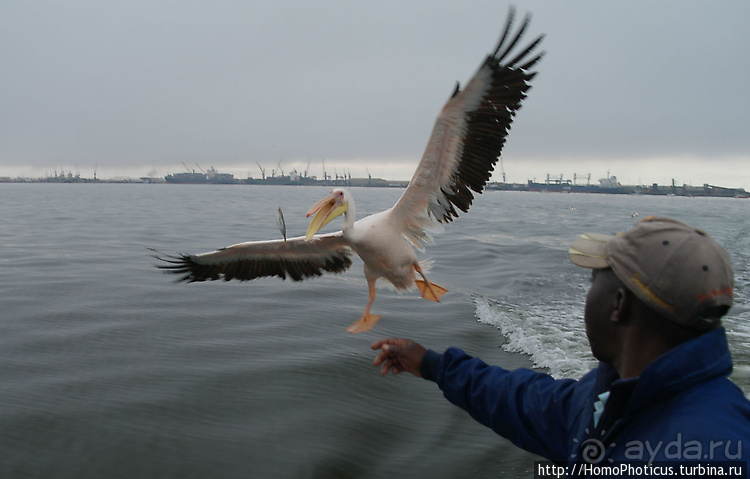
x=648 y=90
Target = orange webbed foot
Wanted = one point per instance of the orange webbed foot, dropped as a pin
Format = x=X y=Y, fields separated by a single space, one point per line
x=430 y=290
x=365 y=323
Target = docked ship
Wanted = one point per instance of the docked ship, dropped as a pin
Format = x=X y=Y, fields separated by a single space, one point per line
x=609 y=185
x=211 y=176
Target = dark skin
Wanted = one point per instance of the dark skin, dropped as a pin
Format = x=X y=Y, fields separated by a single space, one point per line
x=621 y=330
x=398 y=356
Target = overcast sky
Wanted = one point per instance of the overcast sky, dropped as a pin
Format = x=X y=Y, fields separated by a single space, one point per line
x=648 y=90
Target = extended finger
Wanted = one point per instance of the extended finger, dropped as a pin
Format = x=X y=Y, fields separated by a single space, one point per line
x=391 y=341
x=379 y=343
x=386 y=367
x=379 y=359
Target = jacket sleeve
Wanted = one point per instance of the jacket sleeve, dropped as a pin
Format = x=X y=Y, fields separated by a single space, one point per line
x=533 y=410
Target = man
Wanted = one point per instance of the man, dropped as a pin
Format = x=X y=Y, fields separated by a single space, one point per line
x=661 y=390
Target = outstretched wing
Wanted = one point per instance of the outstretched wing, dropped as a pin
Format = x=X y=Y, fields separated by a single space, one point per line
x=295 y=258
x=468 y=137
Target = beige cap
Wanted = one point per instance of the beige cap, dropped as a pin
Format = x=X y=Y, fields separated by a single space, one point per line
x=677 y=270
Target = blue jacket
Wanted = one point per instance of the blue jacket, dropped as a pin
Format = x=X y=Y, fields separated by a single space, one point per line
x=681 y=407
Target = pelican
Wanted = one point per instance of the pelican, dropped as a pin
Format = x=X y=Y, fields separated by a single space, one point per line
x=466 y=142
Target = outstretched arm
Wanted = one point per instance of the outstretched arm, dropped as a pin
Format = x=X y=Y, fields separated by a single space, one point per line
x=532 y=409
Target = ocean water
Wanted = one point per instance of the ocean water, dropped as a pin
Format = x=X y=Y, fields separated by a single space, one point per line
x=111 y=369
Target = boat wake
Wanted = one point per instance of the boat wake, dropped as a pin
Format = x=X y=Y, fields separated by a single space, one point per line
x=548 y=334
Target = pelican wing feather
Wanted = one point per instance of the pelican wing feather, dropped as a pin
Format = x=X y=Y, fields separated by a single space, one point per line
x=467 y=138
x=295 y=258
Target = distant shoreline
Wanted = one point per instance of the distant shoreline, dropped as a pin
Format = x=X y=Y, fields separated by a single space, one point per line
x=654 y=189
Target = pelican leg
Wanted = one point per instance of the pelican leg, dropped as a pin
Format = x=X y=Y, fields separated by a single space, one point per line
x=367 y=321
x=428 y=289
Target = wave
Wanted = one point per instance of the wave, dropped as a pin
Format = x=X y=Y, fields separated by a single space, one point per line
x=548 y=334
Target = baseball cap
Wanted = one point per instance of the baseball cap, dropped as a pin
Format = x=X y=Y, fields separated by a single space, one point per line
x=677 y=270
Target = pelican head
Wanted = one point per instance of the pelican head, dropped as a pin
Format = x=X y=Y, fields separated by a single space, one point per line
x=327 y=209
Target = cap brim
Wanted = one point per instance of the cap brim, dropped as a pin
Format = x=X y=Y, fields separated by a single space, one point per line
x=588 y=251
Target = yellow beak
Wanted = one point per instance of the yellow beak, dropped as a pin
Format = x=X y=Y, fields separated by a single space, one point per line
x=327 y=209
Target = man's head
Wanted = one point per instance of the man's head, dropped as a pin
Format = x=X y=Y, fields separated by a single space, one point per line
x=653 y=287
x=676 y=270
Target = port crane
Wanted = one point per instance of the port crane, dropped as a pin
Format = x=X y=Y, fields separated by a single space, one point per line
x=262 y=170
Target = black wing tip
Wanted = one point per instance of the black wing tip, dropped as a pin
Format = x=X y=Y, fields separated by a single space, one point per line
x=501 y=50
x=170 y=260
x=176 y=265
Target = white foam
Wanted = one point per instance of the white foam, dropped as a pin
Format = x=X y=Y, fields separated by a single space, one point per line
x=551 y=335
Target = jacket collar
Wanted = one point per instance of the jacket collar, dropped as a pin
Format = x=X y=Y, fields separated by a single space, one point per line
x=698 y=360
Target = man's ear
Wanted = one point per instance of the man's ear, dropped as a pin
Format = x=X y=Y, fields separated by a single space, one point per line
x=622 y=305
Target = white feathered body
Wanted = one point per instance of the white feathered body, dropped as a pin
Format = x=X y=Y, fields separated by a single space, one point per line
x=367 y=237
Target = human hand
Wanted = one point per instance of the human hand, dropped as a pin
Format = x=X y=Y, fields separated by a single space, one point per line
x=399 y=355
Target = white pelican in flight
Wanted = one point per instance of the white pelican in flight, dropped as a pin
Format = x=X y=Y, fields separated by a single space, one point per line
x=463 y=148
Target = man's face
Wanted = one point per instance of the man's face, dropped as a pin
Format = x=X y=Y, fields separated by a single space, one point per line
x=597 y=315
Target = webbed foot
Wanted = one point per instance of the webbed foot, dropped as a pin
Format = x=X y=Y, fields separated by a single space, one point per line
x=430 y=290
x=365 y=323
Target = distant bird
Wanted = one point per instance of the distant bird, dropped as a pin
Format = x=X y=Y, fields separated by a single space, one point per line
x=466 y=141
